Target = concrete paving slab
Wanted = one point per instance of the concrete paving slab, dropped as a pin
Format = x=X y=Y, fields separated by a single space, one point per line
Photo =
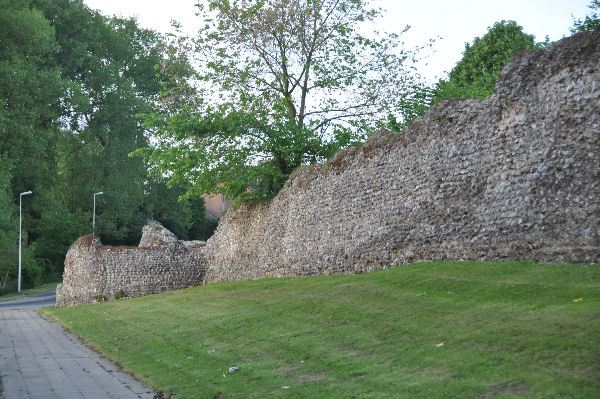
x=40 y=360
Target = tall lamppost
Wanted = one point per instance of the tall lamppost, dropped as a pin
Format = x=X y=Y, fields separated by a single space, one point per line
x=20 y=234
x=94 y=214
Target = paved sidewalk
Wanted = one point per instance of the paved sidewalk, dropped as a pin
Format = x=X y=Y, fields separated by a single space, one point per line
x=39 y=360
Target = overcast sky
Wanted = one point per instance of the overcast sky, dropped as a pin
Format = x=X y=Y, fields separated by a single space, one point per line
x=455 y=22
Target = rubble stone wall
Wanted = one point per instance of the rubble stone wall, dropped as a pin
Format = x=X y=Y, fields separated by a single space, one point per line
x=94 y=272
x=516 y=176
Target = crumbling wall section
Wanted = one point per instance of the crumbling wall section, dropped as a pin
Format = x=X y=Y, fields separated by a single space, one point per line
x=94 y=272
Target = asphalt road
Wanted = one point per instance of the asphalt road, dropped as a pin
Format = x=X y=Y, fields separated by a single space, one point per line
x=46 y=298
x=38 y=360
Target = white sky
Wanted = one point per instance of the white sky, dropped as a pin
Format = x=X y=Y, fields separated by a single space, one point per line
x=456 y=22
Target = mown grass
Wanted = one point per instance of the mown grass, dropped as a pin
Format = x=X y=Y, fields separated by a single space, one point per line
x=427 y=330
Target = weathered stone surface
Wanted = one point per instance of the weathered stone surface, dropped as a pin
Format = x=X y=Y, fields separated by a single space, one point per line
x=155 y=235
x=94 y=272
x=516 y=176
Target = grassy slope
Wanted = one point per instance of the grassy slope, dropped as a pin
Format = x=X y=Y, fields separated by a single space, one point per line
x=508 y=329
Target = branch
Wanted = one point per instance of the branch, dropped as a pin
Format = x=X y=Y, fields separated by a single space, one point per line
x=346 y=109
x=338 y=117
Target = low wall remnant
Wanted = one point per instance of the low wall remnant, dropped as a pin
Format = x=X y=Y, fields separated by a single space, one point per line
x=95 y=272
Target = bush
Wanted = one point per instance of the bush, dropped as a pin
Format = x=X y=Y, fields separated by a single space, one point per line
x=32 y=269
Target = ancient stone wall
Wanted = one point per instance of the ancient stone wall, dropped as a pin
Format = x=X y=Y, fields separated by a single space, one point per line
x=516 y=176
x=94 y=272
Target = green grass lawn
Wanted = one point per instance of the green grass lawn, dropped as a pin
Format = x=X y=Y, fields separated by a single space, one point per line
x=427 y=330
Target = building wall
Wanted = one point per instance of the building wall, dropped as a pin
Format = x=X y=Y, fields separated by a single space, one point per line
x=216 y=205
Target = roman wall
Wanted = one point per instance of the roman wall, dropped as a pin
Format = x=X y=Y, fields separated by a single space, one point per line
x=516 y=176
x=95 y=273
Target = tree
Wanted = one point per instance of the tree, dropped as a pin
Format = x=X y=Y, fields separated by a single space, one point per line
x=110 y=64
x=590 y=22
x=8 y=231
x=72 y=85
x=289 y=81
x=476 y=74
x=30 y=103
x=30 y=93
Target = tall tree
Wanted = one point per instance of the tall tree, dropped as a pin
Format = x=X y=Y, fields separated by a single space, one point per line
x=31 y=88
x=110 y=64
x=72 y=83
x=30 y=92
x=8 y=225
x=591 y=21
x=476 y=74
x=289 y=81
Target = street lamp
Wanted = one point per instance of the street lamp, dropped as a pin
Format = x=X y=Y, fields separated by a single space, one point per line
x=94 y=214
x=20 y=234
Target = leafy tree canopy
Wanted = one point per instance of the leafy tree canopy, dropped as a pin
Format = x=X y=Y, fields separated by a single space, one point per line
x=72 y=83
x=30 y=93
x=476 y=74
x=280 y=84
x=590 y=22
x=7 y=224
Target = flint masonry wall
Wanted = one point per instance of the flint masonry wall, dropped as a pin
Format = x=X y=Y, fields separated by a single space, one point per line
x=516 y=176
x=94 y=272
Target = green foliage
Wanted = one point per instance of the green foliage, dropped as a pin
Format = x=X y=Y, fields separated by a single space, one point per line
x=32 y=269
x=8 y=226
x=433 y=330
x=72 y=83
x=413 y=105
x=163 y=204
x=30 y=92
x=184 y=217
x=476 y=74
x=237 y=153
x=110 y=63
x=591 y=21
x=57 y=228
x=289 y=83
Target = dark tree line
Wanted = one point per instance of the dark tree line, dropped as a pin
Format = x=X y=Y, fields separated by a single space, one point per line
x=72 y=84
